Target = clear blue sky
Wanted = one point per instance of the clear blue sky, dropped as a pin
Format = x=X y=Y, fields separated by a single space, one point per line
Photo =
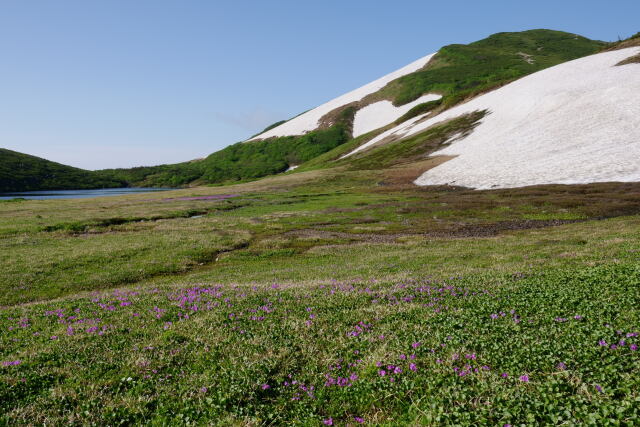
x=119 y=83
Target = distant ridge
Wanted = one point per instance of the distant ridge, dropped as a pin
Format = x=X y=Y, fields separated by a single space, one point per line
x=22 y=172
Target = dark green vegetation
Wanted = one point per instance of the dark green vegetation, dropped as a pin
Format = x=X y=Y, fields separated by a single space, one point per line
x=414 y=148
x=418 y=110
x=21 y=172
x=462 y=71
x=457 y=71
x=244 y=160
x=340 y=295
x=274 y=125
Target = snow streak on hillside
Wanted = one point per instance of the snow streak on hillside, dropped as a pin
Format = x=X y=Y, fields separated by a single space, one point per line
x=309 y=121
x=577 y=122
x=382 y=113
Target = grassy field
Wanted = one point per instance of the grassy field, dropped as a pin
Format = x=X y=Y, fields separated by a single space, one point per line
x=326 y=297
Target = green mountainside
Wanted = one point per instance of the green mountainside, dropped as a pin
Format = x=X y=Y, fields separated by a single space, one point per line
x=243 y=160
x=460 y=71
x=22 y=172
x=457 y=72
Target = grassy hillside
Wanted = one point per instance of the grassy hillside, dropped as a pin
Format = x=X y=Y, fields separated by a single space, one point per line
x=22 y=172
x=460 y=71
x=242 y=161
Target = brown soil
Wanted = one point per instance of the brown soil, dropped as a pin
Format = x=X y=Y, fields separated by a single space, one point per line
x=631 y=60
x=407 y=174
x=624 y=44
x=460 y=232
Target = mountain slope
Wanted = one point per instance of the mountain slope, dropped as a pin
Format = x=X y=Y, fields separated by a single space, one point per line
x=22 y=172
x=577 y=122
x=427 y=86
x=309 y=121
x=456 y=72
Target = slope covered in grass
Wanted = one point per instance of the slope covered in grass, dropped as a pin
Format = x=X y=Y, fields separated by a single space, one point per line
x=460 y=71
x=22 y=172
x=243 y=160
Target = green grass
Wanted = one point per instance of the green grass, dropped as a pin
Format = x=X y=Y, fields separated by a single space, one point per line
x=418 y=110
x=333 y=294
x=461 y=71
x=414 y=148
x=283 y=304
x=243 y=161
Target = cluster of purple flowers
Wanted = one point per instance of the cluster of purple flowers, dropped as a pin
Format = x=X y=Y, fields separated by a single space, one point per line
x=359 y=329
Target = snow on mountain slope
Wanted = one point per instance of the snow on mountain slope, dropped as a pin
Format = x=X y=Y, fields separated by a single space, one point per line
x=577 y=122
x=382 y=113
x=308 y=121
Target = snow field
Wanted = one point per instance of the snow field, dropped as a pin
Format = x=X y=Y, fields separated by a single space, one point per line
x=577 y=122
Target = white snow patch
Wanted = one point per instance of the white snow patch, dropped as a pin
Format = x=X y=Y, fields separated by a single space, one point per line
x=397 y=133
x=577 y=122
x=309 y=121
x=291 y=168
x=382 y=113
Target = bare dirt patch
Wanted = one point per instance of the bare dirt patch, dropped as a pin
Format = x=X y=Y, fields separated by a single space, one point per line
x=635 y=59
x=407 y=174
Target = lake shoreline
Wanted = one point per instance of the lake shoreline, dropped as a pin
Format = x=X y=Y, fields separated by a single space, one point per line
x=78 y=194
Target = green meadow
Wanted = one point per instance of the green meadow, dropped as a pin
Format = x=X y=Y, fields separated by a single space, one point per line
x=340 y=296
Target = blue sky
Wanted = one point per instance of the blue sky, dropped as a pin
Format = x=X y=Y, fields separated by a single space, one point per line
x=98 y=84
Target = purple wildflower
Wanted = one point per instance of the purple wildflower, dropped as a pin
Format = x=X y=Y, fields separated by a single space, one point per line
x=561 y=366
x=633 y=347
x=599 y=388
x=504 y=375
x=382 y=372
x=524 y=378
x=328 y=421
x=12 y=363
x=265 y=386
x=415 y=344
x=413 y=367
x=359 y=420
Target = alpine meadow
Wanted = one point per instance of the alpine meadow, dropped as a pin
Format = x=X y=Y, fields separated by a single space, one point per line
x=455 y=243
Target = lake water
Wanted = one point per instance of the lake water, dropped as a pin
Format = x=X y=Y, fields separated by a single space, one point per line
x=78 y=194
